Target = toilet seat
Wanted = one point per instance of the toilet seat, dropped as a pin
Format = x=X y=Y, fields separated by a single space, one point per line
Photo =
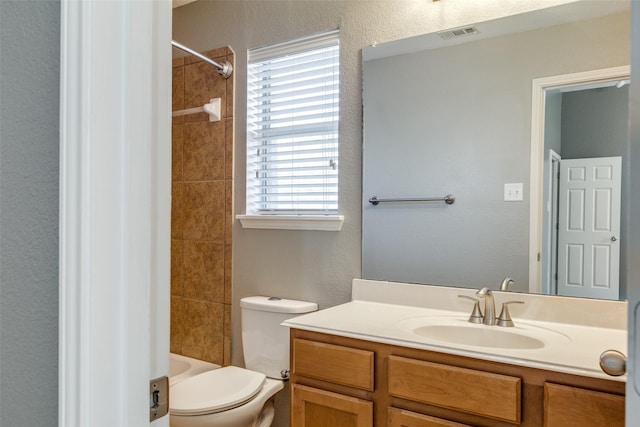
x=215 y=391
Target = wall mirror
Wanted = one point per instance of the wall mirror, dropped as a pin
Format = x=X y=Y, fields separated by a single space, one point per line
x=486 y=113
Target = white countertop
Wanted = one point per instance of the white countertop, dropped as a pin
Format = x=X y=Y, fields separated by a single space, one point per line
x=572 y=348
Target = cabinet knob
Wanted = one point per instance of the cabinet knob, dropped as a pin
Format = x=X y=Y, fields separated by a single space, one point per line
x=613 y=362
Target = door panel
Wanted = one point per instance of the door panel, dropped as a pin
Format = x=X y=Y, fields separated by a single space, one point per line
x=575 y=265
x=575 y=209
x=602 y=209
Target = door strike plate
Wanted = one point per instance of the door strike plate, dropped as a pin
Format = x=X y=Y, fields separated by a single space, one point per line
x=158 y=398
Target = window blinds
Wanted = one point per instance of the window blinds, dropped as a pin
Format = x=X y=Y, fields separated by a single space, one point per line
x=292 y=121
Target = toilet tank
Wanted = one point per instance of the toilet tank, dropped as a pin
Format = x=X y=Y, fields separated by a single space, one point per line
x=265 y=343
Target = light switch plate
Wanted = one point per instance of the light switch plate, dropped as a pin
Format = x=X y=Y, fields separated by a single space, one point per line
x=513 y=192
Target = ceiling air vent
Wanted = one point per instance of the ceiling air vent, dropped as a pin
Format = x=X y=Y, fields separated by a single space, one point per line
x=458 y=32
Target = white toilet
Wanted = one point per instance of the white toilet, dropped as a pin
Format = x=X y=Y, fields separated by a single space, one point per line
x=237 y=397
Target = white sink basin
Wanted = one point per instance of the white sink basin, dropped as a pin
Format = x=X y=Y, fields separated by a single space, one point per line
x=481 y=336
x=442 y=330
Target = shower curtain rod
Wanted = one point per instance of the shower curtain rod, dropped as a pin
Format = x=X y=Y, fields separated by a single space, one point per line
x=224 y=69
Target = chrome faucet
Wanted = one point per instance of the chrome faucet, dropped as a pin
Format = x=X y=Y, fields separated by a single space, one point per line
x=508 y=281
x=489 y=306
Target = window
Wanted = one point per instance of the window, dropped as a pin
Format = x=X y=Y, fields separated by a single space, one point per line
x=292 y=127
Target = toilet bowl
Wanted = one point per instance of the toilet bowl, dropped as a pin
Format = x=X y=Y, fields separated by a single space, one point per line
x=183 y=367
x=225 y=397
x=238 y=397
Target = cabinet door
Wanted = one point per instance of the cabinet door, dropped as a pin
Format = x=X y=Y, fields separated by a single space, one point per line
x=403 y=418
x=312 y=407
x=566 y=406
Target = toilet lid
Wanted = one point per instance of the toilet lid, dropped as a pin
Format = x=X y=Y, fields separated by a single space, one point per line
x=214 y=391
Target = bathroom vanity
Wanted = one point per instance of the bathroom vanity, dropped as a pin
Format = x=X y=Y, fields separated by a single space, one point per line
x=369 y=362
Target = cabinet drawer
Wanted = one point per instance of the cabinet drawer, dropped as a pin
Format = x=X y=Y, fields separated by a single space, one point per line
x=566 y=406
x=481 y=393
x=403 y=418
x=337 y=364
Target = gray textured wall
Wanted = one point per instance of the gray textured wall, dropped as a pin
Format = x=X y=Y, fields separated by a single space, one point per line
x=29 y=96
x=595 y=123
x=457 y=120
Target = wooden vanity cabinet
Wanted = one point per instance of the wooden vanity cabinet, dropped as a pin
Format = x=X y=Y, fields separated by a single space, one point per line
x=346 y=382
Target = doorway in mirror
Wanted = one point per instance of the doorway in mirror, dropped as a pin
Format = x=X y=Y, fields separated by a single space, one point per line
x=582 y=120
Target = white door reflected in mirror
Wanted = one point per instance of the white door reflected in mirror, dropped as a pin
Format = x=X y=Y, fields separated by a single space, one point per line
x=588 y=256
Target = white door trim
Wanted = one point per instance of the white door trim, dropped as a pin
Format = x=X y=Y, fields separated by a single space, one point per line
x=550 y=209
x=114 y=209
x=539 y=87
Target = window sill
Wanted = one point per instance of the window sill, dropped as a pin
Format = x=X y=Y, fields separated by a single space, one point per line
x=292 y=222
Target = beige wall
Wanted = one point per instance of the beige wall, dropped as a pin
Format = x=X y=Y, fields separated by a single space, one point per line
x=201 y=212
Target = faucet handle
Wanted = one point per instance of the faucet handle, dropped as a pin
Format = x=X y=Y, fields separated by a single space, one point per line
x=476 y=314
x=505 y=317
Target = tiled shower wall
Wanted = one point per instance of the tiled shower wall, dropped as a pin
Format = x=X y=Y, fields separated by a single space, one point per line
x=201 y=211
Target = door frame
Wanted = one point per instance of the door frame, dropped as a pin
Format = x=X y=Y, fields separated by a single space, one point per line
x=551 y=210
x=115 y=181
x=539 y=88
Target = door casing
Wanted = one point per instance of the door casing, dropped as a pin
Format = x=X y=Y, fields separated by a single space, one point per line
x=115 y=176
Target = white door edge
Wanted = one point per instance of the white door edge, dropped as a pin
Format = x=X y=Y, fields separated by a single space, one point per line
x=114 y=209
x=539 y=87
